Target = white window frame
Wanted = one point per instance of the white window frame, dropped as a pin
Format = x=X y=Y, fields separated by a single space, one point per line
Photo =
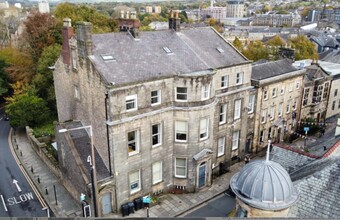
x=205 y=92
x=251 y=103
x=136 y=141
x=131 y=99
x=236 y=138
x=224 y=81
x=133 y=180
x=262 y=136
x=239 y=78
x=291 y=85
x=180 y=166
x=76 y=92
x=288 y=108
x=274 y=92
x=157 y=97
x=297 y=85
x=179 y=131
x=220 y=146
x=295 y=104
x=265 y=95
x=204 y=129
x=279 y=109
x=282 y=90
x=237 y=109
x=181 y=94
x=159 y=134
x=223 y=114
x=157 y=172
x=264 y=116
x=272 y=112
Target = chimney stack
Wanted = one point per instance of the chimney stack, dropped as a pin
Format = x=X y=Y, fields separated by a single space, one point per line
x=174 y=22
x=67 y=34
x=84 y=39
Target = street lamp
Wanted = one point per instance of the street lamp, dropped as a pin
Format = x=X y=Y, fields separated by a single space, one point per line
x=93 y=167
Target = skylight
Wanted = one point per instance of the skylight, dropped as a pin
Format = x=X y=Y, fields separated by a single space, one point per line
x=220 y=50
x=167 y=50
x=108 y=57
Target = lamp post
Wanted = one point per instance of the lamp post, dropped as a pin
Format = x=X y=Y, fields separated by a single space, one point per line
x=93 y=167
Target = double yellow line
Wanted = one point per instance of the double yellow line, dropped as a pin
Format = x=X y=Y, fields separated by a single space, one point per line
x=37 y=193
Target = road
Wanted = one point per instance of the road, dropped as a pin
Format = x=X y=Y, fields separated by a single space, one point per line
x=220 y=206
x=17 y=198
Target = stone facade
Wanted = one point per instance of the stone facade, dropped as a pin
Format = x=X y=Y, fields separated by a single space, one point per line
x=167 y=133
x=235 y=9
x=317 y=84
x=333 y=107
x=278 y=101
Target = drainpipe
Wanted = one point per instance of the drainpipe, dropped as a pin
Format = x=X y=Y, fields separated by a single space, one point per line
x=107 y=132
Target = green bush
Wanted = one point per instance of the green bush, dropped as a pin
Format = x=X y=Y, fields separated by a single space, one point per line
x=46 y=129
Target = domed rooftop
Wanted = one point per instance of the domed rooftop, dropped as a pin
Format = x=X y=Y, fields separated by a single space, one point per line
x=265 y=185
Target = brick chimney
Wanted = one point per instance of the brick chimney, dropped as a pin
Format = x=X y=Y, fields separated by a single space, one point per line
x=67 y=34
x=84 y=39
x=174 y=20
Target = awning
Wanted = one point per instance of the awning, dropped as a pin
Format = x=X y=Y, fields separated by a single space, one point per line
x=202 y=154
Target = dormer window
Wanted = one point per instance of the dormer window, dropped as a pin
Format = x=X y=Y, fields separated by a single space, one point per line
x=167 y=50
x=108 y=58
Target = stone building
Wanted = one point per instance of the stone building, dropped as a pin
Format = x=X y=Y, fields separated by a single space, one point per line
x=154 y=9
x=316 y=88
x=235 y=9
x=333 y=70
x=167 y=108
x=279 y=87
x=277 y=20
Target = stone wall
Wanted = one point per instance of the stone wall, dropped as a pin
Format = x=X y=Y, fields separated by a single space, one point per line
x=40 y=149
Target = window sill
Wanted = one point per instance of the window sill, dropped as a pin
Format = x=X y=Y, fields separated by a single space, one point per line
x=134 y=192
x=133 y=153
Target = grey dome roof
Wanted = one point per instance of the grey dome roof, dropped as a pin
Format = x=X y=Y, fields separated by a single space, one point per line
x=264 y=185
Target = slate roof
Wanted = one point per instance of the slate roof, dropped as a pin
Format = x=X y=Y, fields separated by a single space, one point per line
x=82 y=143
x=193 y=50
x=332 y=56
x=272 y=69
x=289 y=160
x=319 y=186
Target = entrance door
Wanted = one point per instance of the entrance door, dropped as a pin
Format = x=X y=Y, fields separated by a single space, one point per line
x=106 y=204
x=201 y=175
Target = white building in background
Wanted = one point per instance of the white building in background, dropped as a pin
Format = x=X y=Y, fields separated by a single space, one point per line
x=4 y=4
x=17 y=5
x=218 y=13
x=44 y=6
x=235 y=9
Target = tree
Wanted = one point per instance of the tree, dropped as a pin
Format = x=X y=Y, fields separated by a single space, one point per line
x=41 y=30
x=27 y=109
x=20 y=65
x=256 y=50
x=238 y=44
x=102 y=23
x=304 y=48
x=4 y=86
x=43 y=80
x=276 y=41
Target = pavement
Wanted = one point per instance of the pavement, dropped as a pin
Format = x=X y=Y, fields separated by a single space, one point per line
x=170 y=205
x=318 y=144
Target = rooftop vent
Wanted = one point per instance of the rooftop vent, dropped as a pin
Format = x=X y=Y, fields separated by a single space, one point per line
x=220 y=50
x=167 y=50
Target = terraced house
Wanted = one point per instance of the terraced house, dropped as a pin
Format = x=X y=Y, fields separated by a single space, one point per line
x=168 y=108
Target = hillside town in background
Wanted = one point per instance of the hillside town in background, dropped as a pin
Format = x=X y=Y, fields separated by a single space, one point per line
x=178 y=92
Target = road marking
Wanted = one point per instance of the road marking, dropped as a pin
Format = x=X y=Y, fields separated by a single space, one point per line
x=20 y=199
x=37 y=193
x=17 y=185
x=3 y=201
